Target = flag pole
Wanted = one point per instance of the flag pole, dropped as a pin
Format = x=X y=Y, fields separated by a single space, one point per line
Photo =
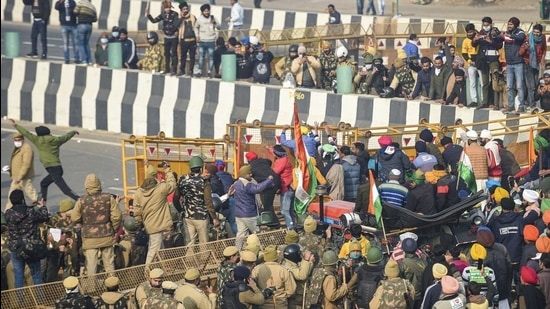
x=385 y=237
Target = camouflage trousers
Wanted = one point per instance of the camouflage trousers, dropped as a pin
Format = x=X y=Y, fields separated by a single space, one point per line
x=326 y=80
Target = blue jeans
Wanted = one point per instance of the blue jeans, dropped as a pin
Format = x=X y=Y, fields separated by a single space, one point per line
x=70 y=33
x=370 y=7
x=84 y=33
x=287 y=200
x=39 y=28
x=19 y=270
x=514 y=80
x=360 y=5
x=203 y=47
x=229 y=215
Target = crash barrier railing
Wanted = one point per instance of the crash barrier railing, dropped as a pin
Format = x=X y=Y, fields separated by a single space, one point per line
x=45 y=295
x=174 y=261
x=178 y=151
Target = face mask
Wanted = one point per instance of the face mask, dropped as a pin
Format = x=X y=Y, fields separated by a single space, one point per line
x=355 y=255
x=18 y=144
x=378 y=66
x=104 y=40
x=116 y=34
x=487 y=28
x=368 y=66
x=260 y=56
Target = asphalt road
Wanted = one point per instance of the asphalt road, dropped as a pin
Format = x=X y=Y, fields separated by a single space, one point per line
x=90 y=152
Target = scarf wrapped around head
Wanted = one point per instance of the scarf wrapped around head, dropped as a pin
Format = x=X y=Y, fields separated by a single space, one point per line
x=533 y=41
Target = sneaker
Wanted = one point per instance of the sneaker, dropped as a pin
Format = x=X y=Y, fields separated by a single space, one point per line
x=32 y=55
x=521 y=110
x=77 y=62
x=43 y=56
x=198 y=75
x=209 y=74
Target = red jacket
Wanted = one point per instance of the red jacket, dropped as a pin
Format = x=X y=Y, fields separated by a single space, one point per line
x=283 y=168
x=540 y=49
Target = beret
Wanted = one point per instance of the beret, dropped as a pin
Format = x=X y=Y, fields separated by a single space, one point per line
x=169 y=285
x=156 y=273
x=111 y=282
x=192 y=274
x=230 y=251
x=248 y=256
x=70 y=283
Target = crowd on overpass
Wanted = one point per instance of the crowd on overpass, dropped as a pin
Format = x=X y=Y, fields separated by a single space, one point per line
x=509 y=259
x=501 y=69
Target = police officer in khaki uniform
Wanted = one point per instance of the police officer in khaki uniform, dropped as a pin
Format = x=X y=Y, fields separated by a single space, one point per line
x=112 y=298
x=334 y=290
x=21 y=169
x=190 y=294
x=248 y=259
x=149 y=288
x=272 y=274
x=73 y=298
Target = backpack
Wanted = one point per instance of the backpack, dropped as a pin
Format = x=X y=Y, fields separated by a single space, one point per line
x=230 y=294
x=314 y=293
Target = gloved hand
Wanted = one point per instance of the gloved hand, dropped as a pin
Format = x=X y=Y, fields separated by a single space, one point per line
x=268 y=292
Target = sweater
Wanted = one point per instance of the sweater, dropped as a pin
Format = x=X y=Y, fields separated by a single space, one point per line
x=205 y=29
x=47 y=145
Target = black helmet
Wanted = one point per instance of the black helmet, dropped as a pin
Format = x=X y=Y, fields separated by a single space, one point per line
x=292 y=253
x=154 y=36
x=217 y=202
x=293 y=48
x=387 y=92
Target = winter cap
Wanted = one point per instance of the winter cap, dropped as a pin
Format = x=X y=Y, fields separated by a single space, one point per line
x=292 y=237
x=219 y=164
x=485 y=134
x=70 y=283
x=439 y=270
x=530 y=196
x=302 y=49
x=395 y=172
x=156 y=273
x=529 y=275
x=244 y=171
x=169 y=285
x=449 y=285
x=391 y=269
x=279 y=151
x=111 y=282
x=384 y=141
x=251 y=155
x=409 y=245
x=507 y=204
x=66 y=204
x=406 y=235
x=270 y=254
x=42 y=130
x=530 y=233
x=485 y=237
x=248 y=256
x=543 y=244
x=500 y=193
x=192 y=274
x=446 y=140
x=230 y=251
x=426 y=135
x=205 y=7
x=355 y=246
x=546 y=217
x=183 y=4
x=253 y=239
x=17 y=197
x=241 y=273
x=310 y=225
x=420 y=146
x=478 y=252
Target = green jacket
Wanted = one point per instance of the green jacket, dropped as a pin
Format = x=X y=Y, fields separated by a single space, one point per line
x=47 y=145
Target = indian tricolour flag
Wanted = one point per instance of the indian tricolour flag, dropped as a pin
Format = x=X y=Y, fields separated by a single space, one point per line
x=375 y=203
x=466 y=172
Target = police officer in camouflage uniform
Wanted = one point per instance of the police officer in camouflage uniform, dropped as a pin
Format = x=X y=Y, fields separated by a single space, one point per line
x=100 y=217
x=300 y=267
x=196 y=203
x=112 y=298
x=404 y=78
x=232 y=258
x=311 y=241
x=73 y=298
x=165 y=300
x=282 y=67
x=363 y=75
x=343 y=60
x=149 y=288
x=326 y=288
x=191 y=295
x=328 y=65
x=153 y=60
x=389 y=293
